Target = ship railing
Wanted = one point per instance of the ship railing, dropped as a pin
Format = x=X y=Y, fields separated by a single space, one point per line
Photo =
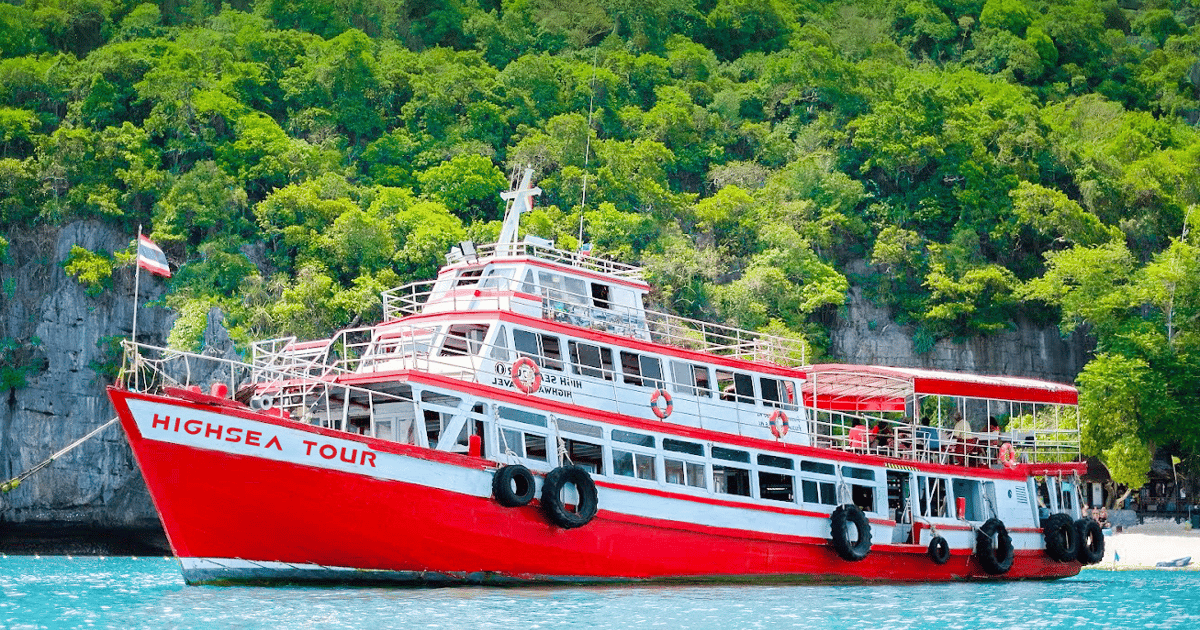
x=552 y=254
x=870 y=434
x=297 y=391
x=499 y=293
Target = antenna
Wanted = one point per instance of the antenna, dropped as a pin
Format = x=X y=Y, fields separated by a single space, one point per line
x=587 y=147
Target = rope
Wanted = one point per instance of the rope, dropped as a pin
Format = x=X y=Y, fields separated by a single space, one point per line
x=13 y=483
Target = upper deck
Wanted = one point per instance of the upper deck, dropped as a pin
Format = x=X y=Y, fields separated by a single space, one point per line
x=537 y=280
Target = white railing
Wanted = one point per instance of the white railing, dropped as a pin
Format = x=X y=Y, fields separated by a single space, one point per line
x=904 y=439
x=498 y=293
x=572 y=259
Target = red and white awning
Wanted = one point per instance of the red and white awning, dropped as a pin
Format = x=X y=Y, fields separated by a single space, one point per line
x=877 y=388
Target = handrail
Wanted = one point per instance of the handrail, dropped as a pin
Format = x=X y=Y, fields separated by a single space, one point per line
x=572 y=259
x=496 y=292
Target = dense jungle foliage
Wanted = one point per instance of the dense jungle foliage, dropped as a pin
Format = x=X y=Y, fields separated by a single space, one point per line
x=966 y=164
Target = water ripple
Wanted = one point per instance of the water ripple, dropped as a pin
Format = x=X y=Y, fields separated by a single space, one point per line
x=97 y=593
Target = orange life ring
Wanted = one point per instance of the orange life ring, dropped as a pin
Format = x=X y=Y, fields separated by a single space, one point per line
x=661 y=412
x=779 y=424
x=1008 y=455
x=526 y=376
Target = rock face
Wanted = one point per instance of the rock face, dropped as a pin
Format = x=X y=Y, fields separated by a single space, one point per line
x=866 y=335
x=96 y=491
x=58 y=328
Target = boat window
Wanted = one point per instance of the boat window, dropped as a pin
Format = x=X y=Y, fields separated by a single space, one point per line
x=630 y=464
x=527 y=285
x=731 y=479
x=932 y=492
x=562 y=289
x=589 y=360
x=863 y=497
x=497 y=278
x=778 y=393
x=684 y=473
x=776 y=462
x=821 y=492
x=968 y=490
x=629 y=437
x=527 y=445
x=728 y=454
x=520 y=415
x=600 y=295
x=690 y=378
x=435 y=422
x=467 y=277
x=641 y=370
x=816 y=467
x=543 y=349
x=570 y=426
x=776 y=487
x=679 y=446
x=858 y=473
x=585 y=454
x=735 y=386
x=500 y=344
x=464 y=339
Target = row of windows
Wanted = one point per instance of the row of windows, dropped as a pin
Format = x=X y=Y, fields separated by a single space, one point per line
x=693 y=379
x=722 y=470
x=595 y=361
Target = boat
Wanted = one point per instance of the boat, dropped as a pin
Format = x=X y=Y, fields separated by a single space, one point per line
x=1177 y=563
x=524 y=417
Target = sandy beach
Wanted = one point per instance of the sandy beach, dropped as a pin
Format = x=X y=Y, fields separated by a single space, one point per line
x=1145 y=545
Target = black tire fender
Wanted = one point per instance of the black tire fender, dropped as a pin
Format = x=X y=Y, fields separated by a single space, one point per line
x=1062 y=538
x=1091 y=541
x=994 y=547
x=513 y=486
x=850 y=549
x=552 y=502
x=939 y=550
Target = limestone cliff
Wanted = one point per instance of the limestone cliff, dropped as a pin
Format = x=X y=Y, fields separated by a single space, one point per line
x=57 y=328
x=866 y=335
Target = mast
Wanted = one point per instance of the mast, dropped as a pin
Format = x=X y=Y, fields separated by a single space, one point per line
x=520 y=200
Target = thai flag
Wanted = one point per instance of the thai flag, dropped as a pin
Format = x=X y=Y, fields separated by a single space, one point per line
x=151 y=258
x=585 y=249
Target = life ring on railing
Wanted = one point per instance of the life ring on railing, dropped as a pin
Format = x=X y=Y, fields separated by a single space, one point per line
x=513 y=486
x=526 y=376
x=552 y=501
x=1091 y=541
x=939 y=550
x=1008 y=455
x=779 y=424
x=994 y=547
x=1062 y=539
x=661 y=412
x=851 y=549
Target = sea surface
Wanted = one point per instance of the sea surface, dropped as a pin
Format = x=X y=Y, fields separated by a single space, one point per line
x=89 y=592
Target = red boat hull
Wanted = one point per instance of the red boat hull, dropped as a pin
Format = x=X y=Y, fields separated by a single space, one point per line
x=233 y=516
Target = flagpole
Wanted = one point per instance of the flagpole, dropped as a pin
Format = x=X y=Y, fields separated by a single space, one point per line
x=137 y=277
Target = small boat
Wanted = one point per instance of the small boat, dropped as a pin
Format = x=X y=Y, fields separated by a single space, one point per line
x=525 y=418
x=1176 y=563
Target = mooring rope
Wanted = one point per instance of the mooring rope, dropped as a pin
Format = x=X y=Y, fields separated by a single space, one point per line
x=12 y=484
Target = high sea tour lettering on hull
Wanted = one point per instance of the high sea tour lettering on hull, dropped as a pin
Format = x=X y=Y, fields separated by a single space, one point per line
x=225 y=433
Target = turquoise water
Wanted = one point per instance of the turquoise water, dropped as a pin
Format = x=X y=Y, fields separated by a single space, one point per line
x=61 y=592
